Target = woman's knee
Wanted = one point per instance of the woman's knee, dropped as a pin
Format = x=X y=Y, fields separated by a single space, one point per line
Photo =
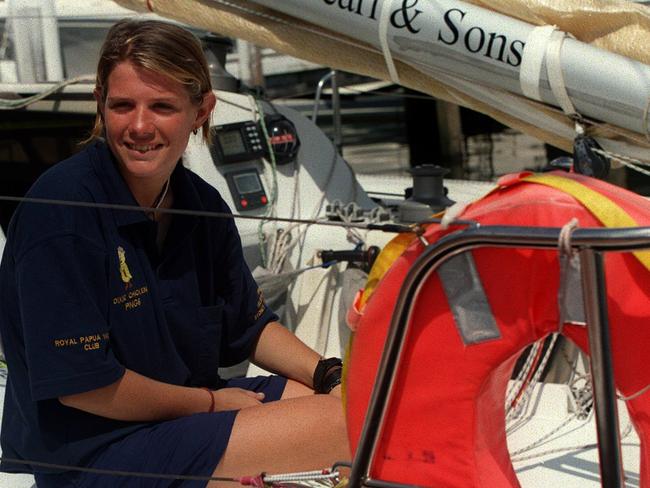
x=289 y=435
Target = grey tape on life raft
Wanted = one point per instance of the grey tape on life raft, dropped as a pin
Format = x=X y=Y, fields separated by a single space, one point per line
x=467 y=301
x=570 y=298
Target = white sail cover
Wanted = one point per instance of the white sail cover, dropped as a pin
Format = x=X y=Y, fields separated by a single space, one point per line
x=487 y=56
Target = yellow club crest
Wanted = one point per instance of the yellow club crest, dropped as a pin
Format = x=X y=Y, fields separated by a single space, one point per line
x=125 y=274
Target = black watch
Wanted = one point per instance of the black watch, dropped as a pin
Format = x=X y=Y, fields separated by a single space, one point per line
x=327 y=375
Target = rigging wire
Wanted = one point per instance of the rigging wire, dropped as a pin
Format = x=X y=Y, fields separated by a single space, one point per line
x=279 y=480
x=393 y=228
x=115 y=472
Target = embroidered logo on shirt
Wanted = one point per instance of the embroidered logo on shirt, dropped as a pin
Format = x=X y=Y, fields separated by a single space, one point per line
x=132 y=298
x=261 y=306
x=88 y=342
x=125 y=274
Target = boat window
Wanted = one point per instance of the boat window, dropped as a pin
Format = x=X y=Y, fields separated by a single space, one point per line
x=80 y=46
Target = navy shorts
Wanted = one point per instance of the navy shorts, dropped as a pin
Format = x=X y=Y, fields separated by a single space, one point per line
x=190 y=446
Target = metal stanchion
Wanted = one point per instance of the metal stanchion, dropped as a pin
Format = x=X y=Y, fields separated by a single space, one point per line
x=602 y=369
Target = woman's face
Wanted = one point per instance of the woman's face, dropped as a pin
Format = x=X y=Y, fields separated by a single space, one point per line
x=148 y=119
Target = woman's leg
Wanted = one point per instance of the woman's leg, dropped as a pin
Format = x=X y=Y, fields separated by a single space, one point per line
x=296 y=434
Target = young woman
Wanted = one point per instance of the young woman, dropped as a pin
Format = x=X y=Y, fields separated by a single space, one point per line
x=114 y=322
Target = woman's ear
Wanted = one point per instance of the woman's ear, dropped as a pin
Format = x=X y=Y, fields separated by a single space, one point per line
x=205 y=109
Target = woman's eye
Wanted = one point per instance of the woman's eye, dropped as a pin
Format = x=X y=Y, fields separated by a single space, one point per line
x=165 y=107
x=119 y=106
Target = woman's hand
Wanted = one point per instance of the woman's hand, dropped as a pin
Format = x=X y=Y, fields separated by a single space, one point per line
x=235 y=399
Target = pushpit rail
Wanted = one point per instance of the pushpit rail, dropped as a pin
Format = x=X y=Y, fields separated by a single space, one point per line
x=591 y=244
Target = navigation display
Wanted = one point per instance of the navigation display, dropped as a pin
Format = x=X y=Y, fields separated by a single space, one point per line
x=247 y=183
x=231 y=142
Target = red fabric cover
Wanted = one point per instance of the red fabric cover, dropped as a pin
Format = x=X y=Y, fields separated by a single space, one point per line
x=445 y=423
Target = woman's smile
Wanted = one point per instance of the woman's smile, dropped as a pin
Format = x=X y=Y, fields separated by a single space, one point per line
x=142 y=149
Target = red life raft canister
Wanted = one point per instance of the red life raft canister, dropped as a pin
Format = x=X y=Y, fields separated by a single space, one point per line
x=445 y=422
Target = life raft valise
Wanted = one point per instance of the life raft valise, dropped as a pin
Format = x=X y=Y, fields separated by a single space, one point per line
x=445 y=423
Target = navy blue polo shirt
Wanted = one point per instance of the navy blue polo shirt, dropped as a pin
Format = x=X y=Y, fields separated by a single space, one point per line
x=86 y=293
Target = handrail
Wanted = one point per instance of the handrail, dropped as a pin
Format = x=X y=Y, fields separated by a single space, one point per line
x=336 y=106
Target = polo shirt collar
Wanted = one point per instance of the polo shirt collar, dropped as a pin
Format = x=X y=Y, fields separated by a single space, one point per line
x=186 y=196
x=118 y=192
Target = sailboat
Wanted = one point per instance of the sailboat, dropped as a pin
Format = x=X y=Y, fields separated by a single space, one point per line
x=478 y=62
x=536 y=67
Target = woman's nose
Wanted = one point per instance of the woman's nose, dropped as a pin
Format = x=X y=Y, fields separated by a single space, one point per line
x=142 y=125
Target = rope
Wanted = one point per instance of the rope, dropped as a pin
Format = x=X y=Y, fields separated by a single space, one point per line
x=514 y=393
x=346 y=213
x=626 y=432
x=14 y=104
x=622 y=157
x=523 y=372
x=535 y=379
x=270 y=212
x=633 y=395
x=632 y=163
x=565 y=255
x=286 y=236
x=583 y=411
x=542 y=439
x=564 y=239
x=554 y=451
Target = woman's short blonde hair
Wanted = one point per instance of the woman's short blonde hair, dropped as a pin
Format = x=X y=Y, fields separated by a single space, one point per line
x=157 y=46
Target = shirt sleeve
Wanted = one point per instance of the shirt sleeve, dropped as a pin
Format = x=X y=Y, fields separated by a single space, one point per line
x=62 y=288
x=245 y=311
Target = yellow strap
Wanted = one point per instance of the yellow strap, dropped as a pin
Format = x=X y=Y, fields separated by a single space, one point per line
x=344 y=373
x=386 y=258
x=606 y=211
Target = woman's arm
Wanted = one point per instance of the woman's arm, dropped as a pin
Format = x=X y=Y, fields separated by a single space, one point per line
x=137 y=398
x=280 y=351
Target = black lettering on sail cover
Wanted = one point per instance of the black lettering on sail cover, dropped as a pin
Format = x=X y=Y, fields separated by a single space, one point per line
x=453 y=28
